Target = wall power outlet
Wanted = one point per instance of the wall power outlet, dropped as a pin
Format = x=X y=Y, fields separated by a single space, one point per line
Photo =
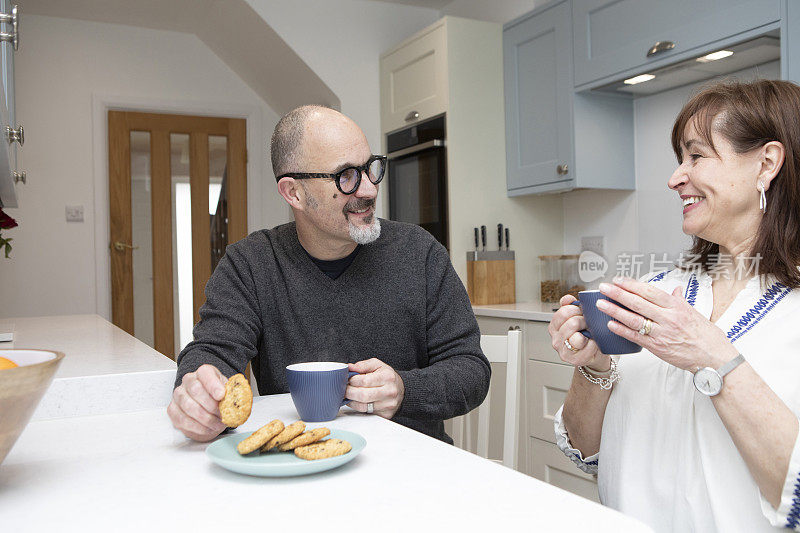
x=74 y=213
x=596 y=244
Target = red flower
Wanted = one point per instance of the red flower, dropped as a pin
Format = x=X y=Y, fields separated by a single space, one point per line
x=6 y=222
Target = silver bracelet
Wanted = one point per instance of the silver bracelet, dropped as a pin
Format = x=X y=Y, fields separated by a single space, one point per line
x=605 y=383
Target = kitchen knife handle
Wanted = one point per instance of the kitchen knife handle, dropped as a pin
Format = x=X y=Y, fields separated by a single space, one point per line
x=499 y=236
x=508 y=243
x=483 y=236
x=476 y=238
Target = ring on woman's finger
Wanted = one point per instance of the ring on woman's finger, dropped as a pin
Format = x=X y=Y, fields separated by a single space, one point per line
x=571 y=347
x=647 y=326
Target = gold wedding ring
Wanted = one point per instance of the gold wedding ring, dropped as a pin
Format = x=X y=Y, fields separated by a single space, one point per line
x=646 y=327
x=571 y=347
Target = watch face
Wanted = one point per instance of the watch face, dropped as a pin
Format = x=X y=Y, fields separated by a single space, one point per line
x=708 y=381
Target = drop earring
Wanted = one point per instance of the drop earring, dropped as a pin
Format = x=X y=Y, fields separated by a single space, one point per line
x=762 y=201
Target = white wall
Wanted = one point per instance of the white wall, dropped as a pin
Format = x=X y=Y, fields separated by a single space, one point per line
x=61 y=66
x=341 y=41
x=649 y=219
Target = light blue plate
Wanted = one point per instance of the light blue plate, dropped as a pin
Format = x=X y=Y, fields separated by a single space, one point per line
x=279 y=464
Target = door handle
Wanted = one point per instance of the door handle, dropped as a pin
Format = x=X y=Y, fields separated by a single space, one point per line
x=562 y=169
x=120 y=246
x=660 y=46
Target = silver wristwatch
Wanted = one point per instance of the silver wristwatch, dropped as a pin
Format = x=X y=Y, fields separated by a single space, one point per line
x=709 y=381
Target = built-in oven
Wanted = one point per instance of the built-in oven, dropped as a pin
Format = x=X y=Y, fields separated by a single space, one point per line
x=417 y=176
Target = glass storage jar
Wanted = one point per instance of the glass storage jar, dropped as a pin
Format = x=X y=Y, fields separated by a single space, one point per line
x=550 y=278
x=570 y=278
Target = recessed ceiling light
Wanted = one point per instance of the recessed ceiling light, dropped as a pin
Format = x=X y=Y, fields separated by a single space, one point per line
x=639 y=79
x=714 y=56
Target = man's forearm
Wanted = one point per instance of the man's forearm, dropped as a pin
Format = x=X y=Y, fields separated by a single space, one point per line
x=445 y=389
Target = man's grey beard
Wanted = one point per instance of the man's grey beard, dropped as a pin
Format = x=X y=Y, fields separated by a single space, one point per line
x=365 y=234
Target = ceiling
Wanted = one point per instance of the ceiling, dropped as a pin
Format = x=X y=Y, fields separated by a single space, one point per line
x=235 y=32
x=432 y=4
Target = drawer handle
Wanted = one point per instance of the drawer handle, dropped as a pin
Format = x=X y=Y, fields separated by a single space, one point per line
x=660 y=46
x=562 y=169
x=513 y=328
x=412 y=115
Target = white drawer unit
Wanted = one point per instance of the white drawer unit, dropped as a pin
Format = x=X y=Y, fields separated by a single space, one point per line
x=414 y=79
x=551 y=466
x=547 y=386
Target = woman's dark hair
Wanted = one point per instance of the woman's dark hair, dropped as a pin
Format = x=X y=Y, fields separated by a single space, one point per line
x=749 y=115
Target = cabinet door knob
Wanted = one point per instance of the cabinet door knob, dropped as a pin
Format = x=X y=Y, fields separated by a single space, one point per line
x=20 y=176
x=412 y=115
x=660 y=46
x=562 y=169
x=17 y=135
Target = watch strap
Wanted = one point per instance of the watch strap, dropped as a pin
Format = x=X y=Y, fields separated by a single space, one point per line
x=730 y=365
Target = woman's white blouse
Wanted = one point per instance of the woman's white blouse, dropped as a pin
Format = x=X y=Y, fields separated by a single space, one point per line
x=665 y=457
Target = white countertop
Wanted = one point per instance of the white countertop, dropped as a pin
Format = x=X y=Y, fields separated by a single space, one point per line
x=104 y=369
x=92 y=346
x=134 y=472
x=538 y=311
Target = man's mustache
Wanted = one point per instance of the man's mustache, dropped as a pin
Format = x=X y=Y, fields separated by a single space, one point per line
x=357 y=204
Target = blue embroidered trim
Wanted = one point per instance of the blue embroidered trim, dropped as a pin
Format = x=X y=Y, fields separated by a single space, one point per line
x=691 y=290
x=776 y=293
x=764 y=305
x=659 y=276
x=590 y=462
x=794 y=513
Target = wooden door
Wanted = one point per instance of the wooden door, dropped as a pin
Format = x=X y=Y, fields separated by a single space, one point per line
x=209 y=233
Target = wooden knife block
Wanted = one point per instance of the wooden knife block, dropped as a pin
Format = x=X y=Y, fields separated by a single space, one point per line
x=491 y=277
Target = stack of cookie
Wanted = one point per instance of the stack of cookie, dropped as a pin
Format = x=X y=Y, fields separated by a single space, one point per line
x=235 y=409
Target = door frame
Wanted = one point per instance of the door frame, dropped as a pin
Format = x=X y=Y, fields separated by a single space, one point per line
x=101 y=105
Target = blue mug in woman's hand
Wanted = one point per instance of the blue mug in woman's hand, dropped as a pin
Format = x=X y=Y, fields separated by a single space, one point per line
x=318 y=389
x=597 y=325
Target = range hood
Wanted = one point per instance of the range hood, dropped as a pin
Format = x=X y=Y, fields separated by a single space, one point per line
x=743 y=55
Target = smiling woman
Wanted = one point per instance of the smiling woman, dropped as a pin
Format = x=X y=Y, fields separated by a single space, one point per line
x=699 y=431
x=734 y=127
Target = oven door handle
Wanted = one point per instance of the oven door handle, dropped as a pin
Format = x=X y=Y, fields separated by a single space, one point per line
x=436 y=143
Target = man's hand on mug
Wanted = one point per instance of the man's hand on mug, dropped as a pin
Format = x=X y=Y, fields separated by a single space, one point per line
x=567 y=324
x=194 y=408
x=378 y=384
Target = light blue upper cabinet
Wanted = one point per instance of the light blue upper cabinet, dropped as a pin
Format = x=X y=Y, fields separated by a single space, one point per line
x=557 y=140
x=613 y=38
x=538 y=86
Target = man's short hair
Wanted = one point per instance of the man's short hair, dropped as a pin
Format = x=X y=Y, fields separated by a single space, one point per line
x=286 y=143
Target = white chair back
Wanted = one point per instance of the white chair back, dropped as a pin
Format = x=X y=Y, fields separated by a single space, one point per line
x=497 y=349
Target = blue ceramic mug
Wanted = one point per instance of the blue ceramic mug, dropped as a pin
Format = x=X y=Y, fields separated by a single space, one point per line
x=318 y=389
x=597 y=325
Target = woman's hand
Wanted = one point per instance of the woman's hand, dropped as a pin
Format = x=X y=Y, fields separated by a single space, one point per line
x=566 y=325
x=679 y=334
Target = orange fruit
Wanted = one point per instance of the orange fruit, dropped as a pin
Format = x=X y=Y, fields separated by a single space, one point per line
x=7 y=363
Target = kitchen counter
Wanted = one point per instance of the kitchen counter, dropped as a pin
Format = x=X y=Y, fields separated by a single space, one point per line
x=104 y=369
x=134 y=472
x=537 y=311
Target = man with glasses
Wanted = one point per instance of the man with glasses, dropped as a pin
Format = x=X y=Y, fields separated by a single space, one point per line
x=337 y=284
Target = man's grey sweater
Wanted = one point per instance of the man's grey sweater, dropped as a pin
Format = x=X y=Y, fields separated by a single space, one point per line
x=399 y=301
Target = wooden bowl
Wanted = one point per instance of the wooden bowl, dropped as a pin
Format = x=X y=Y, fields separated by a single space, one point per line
x=21 y=388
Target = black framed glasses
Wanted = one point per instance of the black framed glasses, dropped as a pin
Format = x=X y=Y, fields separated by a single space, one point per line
x=347 y=180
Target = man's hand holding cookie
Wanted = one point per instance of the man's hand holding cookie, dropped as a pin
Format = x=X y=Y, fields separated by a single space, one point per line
x=378 y=384
x=194 y=408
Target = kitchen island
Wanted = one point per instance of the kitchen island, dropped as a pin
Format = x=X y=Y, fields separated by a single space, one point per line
x=134 y=472
x=104 y=370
